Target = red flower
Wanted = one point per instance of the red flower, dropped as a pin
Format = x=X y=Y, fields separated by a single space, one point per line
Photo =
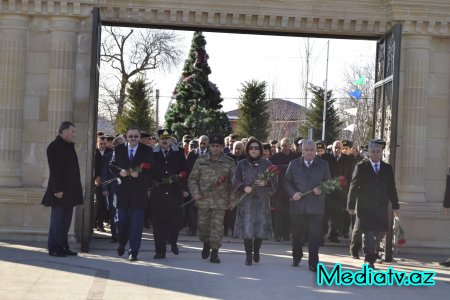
x=145 y=166
x=401 y=242
x=183 y=175
x=274 y=170
x=220 y=180
x=343 y=181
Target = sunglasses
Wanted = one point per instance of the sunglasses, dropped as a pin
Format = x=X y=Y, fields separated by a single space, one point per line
x=133 y=136
x=253 y=148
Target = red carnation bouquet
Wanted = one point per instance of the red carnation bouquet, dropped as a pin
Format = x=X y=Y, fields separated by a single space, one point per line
x=139 y=168
x=218 y=182
x=271 y=171
x=169 y=180
x=398 y=233
x=330 y=185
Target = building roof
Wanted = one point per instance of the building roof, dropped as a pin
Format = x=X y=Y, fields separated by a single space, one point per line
x=279 y=110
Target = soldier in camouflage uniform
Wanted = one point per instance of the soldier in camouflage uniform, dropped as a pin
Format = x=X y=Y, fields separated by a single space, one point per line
x=210 y=187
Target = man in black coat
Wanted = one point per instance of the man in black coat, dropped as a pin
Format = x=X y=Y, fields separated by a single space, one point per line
x=133 y=163
x=64 y=189
x=109 y=191
x=446 y=205
x=167 y=197
x=100 y=205
x=371 y=189
x=335 y=207
x=281 y=197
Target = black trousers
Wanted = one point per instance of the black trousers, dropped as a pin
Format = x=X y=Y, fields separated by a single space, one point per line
x=100 y=208
x=281 y=219
x=165 y=231
x=356 y=243
x=311 y=224
x=333 y=217
x=191 y=216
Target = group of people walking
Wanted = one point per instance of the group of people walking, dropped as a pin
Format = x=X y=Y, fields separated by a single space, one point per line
x=214 y=179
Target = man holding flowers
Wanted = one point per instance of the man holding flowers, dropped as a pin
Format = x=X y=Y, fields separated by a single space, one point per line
x=210 y=186
x=169 y=189
x=303 y=175
x=131 y=162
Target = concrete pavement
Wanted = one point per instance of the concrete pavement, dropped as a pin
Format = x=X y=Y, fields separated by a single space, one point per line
x=28 y=272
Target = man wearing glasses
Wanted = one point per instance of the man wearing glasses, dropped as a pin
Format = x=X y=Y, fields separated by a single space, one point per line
x=132 y=192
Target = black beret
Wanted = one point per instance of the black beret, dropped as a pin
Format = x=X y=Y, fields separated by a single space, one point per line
x=346 y=143
x=320 y=145
x=216 y=139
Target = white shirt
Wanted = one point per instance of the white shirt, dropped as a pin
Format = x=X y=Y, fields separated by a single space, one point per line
x=308 y=163
x=134 y=150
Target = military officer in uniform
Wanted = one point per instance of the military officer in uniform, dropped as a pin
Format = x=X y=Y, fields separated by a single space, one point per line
x=210 y=187
x=167 y=194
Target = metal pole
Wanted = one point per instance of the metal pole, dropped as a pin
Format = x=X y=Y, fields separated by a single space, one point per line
x=325 y=96
x=157 y=108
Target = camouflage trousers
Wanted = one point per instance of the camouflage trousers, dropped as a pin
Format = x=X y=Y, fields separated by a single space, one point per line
x=210 y=226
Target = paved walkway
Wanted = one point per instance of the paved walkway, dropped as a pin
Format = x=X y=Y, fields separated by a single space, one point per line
x=27 y=272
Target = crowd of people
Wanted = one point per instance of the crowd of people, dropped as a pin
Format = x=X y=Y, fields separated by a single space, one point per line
x=215 y=185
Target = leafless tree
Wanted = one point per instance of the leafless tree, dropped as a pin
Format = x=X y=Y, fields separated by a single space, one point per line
x=364 y=117
x=127 y=52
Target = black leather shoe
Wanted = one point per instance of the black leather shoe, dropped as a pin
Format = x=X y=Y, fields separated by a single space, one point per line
x=120 y=250
x=206 y=250
x=355 y=255
x=57 y=253
x=174 y=249
x=445 y=263
x=312 y=268
x=296 y=262
x=159 y=256
x=256 y=256
x=132 y=257
x=248 y=258
x=69 y=252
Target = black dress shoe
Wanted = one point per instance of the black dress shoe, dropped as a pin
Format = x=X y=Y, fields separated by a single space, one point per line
x=69 y=252
x=57 y=253
x=296 y=262
x=355 y=255
x=132 y=257
x=312 y=268
x=120 y=250
x=174 y=249
x=371 y=265
x=445 y=263
x=159 y=256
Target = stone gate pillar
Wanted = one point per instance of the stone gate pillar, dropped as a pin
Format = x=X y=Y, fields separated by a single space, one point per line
x=416 y=60
x=13 y=44
x=62 y=75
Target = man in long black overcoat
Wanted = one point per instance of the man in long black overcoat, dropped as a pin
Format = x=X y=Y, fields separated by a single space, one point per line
x=166 y=198
x=371 y=189
x=64 y=189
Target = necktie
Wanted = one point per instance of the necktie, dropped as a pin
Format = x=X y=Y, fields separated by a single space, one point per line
x=308 y=163
x=166 y=153
x=131 y=155
x=201 y=153
x=376 y=168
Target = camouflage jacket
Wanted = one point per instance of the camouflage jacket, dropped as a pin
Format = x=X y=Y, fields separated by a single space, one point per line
x=212 y=180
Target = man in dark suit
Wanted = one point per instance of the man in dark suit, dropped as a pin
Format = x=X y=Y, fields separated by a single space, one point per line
x=302 y=175
x=64 y=189
x=371 y=188
x=127 y=163
x=110 y=190
x=100 y=206
x=281 y=198
x=166 y=198
x=335 y=207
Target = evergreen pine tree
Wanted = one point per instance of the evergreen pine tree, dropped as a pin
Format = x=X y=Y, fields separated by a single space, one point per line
x=139 y=112
x=197 y=109
x=315 y=114
x=253 y=115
